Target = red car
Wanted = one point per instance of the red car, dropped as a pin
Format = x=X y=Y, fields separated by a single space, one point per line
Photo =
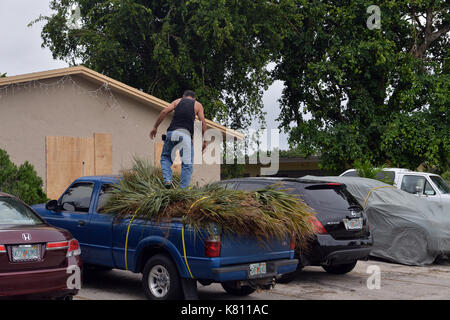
x=36 y=260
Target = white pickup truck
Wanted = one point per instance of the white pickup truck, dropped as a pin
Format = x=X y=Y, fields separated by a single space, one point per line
x=426 y=185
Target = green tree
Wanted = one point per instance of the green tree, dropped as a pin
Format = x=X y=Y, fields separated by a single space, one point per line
x=292 y=153
x=446 y=176
x=377 y=95
x=218 y=48
x=2 y=75
x=21 y=181
x=366 y=170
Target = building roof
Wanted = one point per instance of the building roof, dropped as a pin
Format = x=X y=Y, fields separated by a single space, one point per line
x=113 y=84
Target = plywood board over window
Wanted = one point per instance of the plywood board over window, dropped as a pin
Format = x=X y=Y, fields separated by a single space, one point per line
x=69 y=158
x=103 y=153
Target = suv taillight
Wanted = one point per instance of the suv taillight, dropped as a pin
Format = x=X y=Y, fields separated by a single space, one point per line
x=318 y=226
x=74 y=248
x=212 y=247
x=2 y=249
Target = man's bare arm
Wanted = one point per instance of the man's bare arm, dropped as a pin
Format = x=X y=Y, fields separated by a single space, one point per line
x=161 y=117
x=201 y=117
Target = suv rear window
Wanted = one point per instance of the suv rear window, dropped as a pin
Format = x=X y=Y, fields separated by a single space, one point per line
x=317 y=196
x=329 y=196
x=14 y=212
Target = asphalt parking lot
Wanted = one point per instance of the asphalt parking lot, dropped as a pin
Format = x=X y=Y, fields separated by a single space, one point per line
x=312 y=283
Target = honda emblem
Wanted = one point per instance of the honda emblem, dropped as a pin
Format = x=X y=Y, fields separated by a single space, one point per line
x=26 y=236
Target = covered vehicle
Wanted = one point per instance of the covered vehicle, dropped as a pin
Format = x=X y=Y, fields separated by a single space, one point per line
x=406 y=229
x=428 y=186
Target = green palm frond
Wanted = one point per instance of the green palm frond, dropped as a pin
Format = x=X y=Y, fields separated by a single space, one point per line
x=265 y=214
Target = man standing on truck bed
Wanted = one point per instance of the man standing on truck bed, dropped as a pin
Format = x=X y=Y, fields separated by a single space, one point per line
x=180 y=136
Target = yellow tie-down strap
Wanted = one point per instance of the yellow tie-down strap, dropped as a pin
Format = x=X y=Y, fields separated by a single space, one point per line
x=126 y=239
x=182 y=236
x=373 y=189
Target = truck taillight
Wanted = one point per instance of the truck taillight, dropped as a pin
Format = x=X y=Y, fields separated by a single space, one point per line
x=292 y=245
x=2 y=249
x=212 y=247
x=318 y=227
x=74 y=248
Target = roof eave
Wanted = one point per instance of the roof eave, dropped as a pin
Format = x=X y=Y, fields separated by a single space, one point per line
x=114 y=84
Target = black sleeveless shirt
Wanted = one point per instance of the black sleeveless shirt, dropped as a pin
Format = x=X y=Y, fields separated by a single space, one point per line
x=184 y=116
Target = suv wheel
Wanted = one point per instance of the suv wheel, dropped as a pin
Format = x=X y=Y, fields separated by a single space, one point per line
x=160 y=279
x=340 y=268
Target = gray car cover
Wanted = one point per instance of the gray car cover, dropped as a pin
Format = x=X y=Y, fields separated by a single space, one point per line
x=406 y=229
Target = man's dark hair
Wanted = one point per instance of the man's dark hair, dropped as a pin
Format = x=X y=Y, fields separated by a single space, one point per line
x=189 y=93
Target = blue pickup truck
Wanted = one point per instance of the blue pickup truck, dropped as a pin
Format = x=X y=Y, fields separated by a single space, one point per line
x=171 y=258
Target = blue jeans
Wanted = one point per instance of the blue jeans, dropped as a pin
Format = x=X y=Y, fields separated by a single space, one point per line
x=178 y=140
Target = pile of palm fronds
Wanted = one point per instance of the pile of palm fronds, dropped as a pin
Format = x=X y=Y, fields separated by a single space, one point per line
x=265 y=214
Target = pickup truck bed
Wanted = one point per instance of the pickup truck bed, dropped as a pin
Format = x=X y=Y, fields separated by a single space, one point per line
x=240 y=263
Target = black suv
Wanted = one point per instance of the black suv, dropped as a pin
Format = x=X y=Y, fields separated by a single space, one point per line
x=342 y=233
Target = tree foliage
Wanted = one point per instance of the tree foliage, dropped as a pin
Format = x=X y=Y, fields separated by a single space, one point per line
x=351 y=92
x=21 y=181
x=446 y=176
x=366 y=170
x=380 y=95
x=218 y=48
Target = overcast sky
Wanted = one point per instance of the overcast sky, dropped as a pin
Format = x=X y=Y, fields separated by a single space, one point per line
x=21 y=52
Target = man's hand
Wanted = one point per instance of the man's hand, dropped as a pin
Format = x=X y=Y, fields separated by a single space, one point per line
x=153 y=133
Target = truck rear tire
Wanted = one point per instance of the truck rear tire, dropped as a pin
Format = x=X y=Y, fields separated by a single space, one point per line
x=232 y=288
x=160 y=279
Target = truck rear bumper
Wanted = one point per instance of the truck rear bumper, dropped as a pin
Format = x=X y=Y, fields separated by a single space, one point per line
x=274 y=268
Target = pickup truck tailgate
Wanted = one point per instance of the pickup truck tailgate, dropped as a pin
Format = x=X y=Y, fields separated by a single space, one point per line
x=239 y=249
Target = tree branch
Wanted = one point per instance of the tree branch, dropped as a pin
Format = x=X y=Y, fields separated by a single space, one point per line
x=416 y=18
x=429 y=36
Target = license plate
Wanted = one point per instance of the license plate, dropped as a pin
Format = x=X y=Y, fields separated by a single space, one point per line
x=29 y=252
x=353 y=224
x=257 y=269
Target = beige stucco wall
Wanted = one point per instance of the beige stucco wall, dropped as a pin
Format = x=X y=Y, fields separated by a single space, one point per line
x=30 y=114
